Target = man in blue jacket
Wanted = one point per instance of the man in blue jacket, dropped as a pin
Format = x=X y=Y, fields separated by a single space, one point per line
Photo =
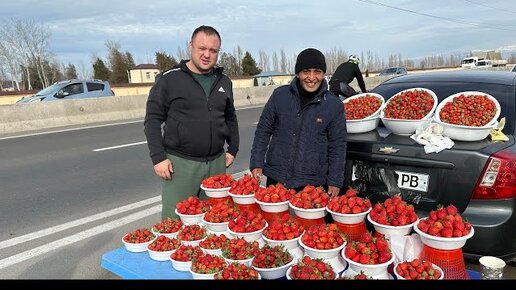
x=194 y=102
x=301 y=136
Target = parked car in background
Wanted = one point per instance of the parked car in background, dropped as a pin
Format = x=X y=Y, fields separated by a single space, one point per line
x=71 y=89
x=393 y=71
x=478 y=177
x=514 y=69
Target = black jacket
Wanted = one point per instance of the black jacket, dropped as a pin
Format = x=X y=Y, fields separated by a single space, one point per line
x=346 y=72
x=298 y=145
x=196 y=126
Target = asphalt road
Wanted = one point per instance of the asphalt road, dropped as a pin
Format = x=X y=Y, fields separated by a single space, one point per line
x=68 y=196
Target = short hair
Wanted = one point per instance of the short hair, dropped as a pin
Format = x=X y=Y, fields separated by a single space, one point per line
x=208 y=30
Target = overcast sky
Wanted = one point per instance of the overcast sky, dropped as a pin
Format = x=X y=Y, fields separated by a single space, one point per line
x=79 y=29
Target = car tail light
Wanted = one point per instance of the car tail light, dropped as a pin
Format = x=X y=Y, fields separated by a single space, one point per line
x=498 y=179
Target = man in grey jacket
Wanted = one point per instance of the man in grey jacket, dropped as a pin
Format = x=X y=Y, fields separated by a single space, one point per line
x=195 y=103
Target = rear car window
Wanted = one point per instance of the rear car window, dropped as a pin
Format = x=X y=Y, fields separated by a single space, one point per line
x=94 y=87
x=503 y=93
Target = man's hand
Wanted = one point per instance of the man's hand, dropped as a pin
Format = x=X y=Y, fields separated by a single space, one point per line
x=333 y=191
x=257 y=173
x=229 y=159
x=164 y=169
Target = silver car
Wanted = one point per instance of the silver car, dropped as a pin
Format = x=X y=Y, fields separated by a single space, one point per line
x=71 y=89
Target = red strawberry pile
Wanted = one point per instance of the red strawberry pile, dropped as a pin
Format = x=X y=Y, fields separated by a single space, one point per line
x=409 y=105
x=214 y=242
x=237 y=271
x=361 y=107
x=186 y=253
x=192 y=233
x=139 y=236
x=164 y=244
x=445 y=222
x=240 y=249
x=272 y=257
x=221 y=213
x=192 y=205
x=368 y=250
x=310 y=197
x=218 y=181
x=393 y=212
x=208 y=264
x=247 y=222
x=168 y=226
x=323 y=237
x=359 y=276
x=246 y=185
x=281 y=230
x=312 y=269
x=349 y=203
x=473 y=110
x=417 y=270
x=274 y=193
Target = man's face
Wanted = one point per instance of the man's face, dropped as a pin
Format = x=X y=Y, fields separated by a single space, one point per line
x=204 y=52
x=311 y=79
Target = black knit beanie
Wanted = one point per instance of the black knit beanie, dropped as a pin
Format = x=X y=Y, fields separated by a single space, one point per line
x=310 y=58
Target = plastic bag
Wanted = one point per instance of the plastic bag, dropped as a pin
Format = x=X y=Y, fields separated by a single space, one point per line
x=405 y=248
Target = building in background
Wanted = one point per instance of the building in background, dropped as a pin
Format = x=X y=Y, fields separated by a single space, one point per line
x=143 y=73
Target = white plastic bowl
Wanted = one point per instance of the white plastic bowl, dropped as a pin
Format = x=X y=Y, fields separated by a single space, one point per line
x=273 y=207
x=137 y=247
x=216 y=192
x=250 y=237
x=310 y=213
x=274 y=273
x=168 y=235
x=467 y=93
x=180 y=265
x=391 y=230
x=433 y=266
x=323 y=254
x=289 y=270
x=407 y=127
x=441 y=243
x=369 y=270
x=242 y=199
x=190 y=219
x=215 y=227
x=363 y=125
x=248 y=262
x=197 y=276
x=288 y=244
x=375 y=114
x=159 y=255
x=214 y=252
x=348 y=218
x=467 y=133
x=192 y=243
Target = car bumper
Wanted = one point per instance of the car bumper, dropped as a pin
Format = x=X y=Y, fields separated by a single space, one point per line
x=495 y=229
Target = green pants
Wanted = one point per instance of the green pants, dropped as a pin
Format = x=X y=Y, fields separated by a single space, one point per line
x=186 y=181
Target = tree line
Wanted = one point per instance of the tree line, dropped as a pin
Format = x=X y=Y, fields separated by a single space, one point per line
x=27 y=61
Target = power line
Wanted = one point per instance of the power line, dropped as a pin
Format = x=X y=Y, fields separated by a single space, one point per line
x=491 y=7
x=438 y=17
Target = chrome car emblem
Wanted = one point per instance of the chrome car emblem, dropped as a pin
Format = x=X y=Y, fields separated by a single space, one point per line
x=388 y=150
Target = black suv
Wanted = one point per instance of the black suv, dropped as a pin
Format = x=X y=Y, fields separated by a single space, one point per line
x=381 y=164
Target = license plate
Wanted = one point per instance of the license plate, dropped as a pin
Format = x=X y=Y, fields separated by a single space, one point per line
x=413 y=181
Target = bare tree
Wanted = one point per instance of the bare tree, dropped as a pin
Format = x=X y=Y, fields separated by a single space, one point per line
x=263 y=60
x=283 y=61
x=275 y=62
x=9 y=63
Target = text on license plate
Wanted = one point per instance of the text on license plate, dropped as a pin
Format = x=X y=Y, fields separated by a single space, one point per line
x=413 y=181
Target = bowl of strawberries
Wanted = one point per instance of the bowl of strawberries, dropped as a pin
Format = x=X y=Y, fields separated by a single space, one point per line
x=168 y=227
x=308 y=268
x=248 y=225
x=218 y=217
x=239 y=250
x=242 y=190
x=213 y=244
x=181 y=258
x=310 y=202
x=272 y=262
x=217 y=186
x=349 y=208
x=468 y=116
x=362 y=112
x=323 y=241
x=204 y=267
x=408 y=110
x=238 y=271
x=192 y=235
x=444 y=229
x=283 y=232
x=138 y=240
x=191 y=210
x=418 y=269
x=370 y=255
x=161 y=248
x=274 y=198
x=393 y=217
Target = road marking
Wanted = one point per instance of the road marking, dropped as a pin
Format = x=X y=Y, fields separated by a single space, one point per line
x=87 y=234
x=119 y=146
x=71 y=129
x=78 y=222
